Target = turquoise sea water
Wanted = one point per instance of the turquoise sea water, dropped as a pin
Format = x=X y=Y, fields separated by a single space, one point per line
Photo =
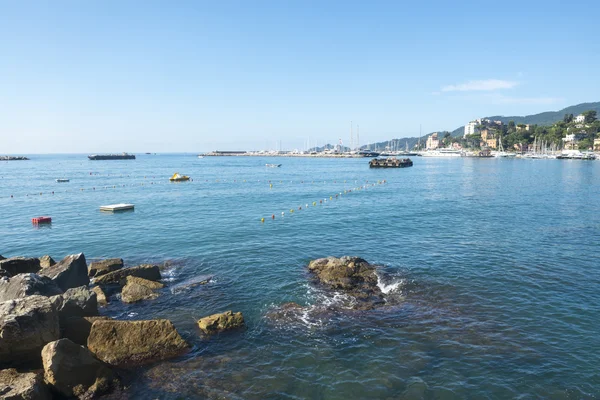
x=491 y=269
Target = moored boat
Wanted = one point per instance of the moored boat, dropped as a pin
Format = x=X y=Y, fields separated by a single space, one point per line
x=392 y=162
x=177 y=177
x=273 y=165
x=122 y=156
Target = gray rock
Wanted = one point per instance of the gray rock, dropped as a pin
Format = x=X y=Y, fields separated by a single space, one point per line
x=23 y=386
x=70 y=272
x=46 y=261
x=133 y=343
x=76 y=302
x=146 y=271
x=26 y=325
x=221 y=322
x=20 y=265
x=2 y=258
x=24 y=285
x=352 y=275
x=73 y=371
x=77 y=329
x=103 y=267
x=137 y=289
x=100 y=296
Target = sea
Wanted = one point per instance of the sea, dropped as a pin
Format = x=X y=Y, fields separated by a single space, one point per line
x=490 y=268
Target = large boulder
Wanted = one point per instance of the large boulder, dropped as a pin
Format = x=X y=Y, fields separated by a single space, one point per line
x=73 y=371
x=24 y=285
x=146 y=271
x=46 y=261
x=132 y=343
x=137 y=289
x=77 y=329
x=100 y=296
x=26 y=325
x=70 y=272
x=221 y=322
x=23 y=386
x=72 y=307
x=76 y=302
x=20 y=265
x=103 y=267
x=352 y=275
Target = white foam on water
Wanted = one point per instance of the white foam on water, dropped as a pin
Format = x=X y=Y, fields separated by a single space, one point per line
x=392 y=287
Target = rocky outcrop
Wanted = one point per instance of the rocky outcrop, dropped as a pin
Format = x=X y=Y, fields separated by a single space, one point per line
x=73 y=371
x=70 y=272
x=137 y=289
x=100 y=296
x=220 y=322
x=20 y=265
x=26 y=325
x=132 y=343
x=46 y=261
x=146 y=271
x=24 y=285
x=352 y=275
x=103 y=267
x=23 y=386
x=77 y=329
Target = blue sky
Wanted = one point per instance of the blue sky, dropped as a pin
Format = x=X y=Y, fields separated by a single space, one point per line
x=95 y=76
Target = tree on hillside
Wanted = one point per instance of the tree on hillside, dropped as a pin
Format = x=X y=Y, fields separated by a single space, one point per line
x=511 y=126
x=590 y=116
x=566 y=118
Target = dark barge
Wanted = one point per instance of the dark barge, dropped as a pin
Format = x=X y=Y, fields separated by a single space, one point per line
x=122 y=156
x=390 y=163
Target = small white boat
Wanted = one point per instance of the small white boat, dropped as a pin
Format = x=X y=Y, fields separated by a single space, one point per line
x=61 y=180
x=200 y=156
x=117 y=207
x=273 y=165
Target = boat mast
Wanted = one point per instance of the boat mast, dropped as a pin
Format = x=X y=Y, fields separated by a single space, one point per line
x=351 y=136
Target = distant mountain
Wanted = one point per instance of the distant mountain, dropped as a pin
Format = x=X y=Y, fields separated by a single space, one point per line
x=545 y=118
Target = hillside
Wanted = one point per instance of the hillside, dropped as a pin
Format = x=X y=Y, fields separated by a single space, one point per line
x=545 y=118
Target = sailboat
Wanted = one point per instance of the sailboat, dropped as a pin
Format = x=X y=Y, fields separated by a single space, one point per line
x=501 y=152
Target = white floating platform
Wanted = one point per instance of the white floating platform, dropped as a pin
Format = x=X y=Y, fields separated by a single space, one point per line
x=117 y=207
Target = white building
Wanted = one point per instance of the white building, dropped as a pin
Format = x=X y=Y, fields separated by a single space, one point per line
x=580 y=119
x=433 y=142
x=470 y=128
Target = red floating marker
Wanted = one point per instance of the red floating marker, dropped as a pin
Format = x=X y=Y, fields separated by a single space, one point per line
x=273 y=216
x=41 y=220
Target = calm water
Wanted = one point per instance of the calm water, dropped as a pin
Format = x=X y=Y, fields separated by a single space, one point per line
x=491 y=268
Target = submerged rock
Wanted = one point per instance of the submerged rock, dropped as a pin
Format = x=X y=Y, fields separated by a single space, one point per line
x=73 y=371
x=24 y=285
x=220 y=322
x=69 y=273
x=103 y=267
x=190 y=283
x=133 y=343
x=352 y=275
x=137 y=289
x=26 y=325
x=100 y=296
x=23 y=386
x=20 y=265
x=146 y=271
x=46 y=261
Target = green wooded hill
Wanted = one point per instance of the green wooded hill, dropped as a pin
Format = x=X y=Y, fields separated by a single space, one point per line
x=545 y=118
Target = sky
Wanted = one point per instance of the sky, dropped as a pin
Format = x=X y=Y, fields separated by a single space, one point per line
x=194 y=76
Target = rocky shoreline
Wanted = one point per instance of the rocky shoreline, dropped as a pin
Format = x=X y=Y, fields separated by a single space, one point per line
x=55 y=344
